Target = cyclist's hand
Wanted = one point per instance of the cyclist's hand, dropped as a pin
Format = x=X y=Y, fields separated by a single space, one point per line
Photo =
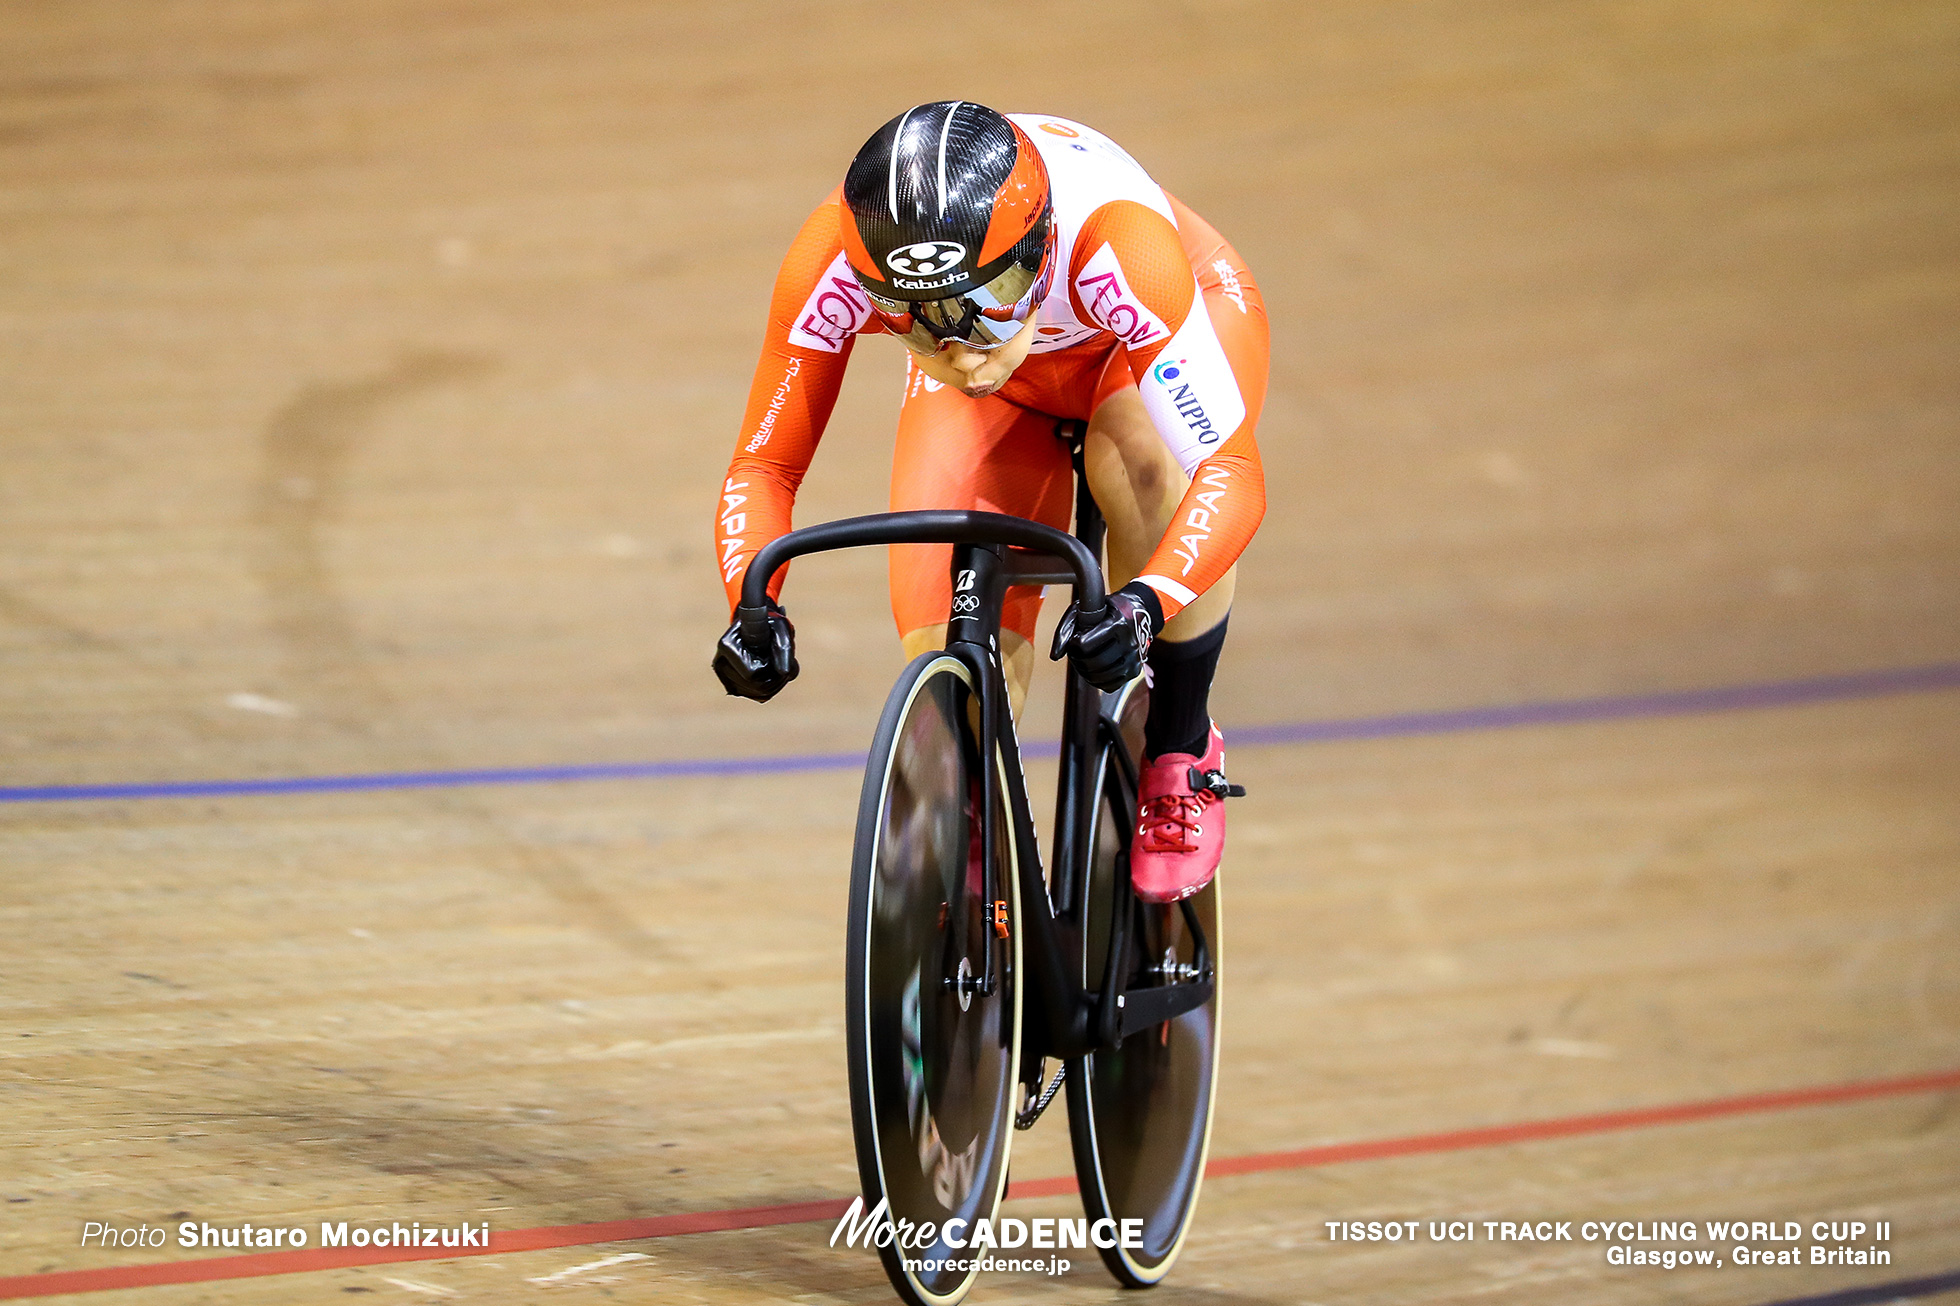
x=1110 y=652
x=758 y=673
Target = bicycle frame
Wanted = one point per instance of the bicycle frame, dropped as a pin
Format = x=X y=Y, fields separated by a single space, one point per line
x=991 y=552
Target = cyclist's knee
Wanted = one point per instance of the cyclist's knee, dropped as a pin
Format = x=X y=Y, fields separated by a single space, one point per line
x=1016 y=656
x=923 y=640
x=1017 y=660
x=1125 y=447
x=1135 y=479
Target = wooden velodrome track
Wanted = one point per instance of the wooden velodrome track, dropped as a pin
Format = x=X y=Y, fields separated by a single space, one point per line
x=366 y=374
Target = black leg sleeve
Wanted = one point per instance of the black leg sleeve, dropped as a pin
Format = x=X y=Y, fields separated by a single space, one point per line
x=1180 y=693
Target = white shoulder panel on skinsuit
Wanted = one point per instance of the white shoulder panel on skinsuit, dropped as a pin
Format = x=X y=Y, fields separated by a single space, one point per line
x=1190 y=393
x=1086 y=170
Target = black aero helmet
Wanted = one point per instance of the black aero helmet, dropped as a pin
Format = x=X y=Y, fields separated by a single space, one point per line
x=951 y=230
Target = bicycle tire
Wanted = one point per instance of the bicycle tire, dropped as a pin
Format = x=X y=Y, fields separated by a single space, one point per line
x=932 y=1070
x=1140 y=1115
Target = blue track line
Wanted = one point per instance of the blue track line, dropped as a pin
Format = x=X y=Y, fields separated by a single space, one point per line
x=1729 y=698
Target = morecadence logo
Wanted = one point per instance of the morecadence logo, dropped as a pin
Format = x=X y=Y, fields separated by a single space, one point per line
x=876 y=1229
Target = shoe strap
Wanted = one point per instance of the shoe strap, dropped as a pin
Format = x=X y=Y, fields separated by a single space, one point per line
x=1213 y=783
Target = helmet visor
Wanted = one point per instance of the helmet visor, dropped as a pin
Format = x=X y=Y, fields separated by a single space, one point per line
x=985 y=317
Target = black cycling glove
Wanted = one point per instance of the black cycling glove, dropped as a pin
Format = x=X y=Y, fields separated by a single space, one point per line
x=757 y=673
x=1110 y=653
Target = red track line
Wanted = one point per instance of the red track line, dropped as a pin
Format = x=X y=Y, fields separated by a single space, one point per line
x=263 y=1264
x=1565 y=1127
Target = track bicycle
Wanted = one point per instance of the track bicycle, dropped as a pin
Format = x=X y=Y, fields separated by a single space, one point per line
x=969 y=969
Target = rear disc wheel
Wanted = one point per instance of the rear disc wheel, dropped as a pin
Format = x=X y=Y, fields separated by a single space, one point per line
x=1140 y=1113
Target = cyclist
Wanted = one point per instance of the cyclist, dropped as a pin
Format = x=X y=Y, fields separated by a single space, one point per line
x=1032 y=270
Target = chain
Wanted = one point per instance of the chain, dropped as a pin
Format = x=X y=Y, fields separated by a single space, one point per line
x=1025 y=1119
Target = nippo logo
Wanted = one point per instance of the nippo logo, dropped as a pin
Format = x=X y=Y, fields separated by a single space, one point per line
x=1167 y=372
x=926 y=259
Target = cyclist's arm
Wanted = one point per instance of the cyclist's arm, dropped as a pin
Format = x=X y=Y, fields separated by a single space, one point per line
x=815 y=314
x=1132 y=277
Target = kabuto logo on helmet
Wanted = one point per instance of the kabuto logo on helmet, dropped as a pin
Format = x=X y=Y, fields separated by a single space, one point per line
x=927 y=258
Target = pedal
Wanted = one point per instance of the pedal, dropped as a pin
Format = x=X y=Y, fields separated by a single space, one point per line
x=1000 y=918
x=1215 y=784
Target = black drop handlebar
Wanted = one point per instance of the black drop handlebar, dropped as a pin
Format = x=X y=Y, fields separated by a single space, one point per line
x=936 y=526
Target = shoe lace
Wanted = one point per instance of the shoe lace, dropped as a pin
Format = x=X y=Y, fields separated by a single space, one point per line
x=1170 y=821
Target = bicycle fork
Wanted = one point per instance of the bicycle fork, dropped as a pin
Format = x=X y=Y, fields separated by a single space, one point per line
x=973 y=634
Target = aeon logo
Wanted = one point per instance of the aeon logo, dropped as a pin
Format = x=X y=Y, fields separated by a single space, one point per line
x=1112 y=305
x=836 y=310
x=928 y=258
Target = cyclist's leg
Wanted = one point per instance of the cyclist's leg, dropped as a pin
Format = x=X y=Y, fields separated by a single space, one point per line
x=1016 y=652
x=985 y=454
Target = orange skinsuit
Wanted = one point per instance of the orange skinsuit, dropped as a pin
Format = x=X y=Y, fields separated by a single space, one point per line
x=1153 y=298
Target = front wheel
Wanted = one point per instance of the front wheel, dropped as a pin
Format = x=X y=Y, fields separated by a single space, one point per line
x=1140 y=1113
x=933 y=1057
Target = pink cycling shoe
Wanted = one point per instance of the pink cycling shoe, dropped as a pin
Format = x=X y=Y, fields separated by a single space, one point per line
x=1181 y=823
